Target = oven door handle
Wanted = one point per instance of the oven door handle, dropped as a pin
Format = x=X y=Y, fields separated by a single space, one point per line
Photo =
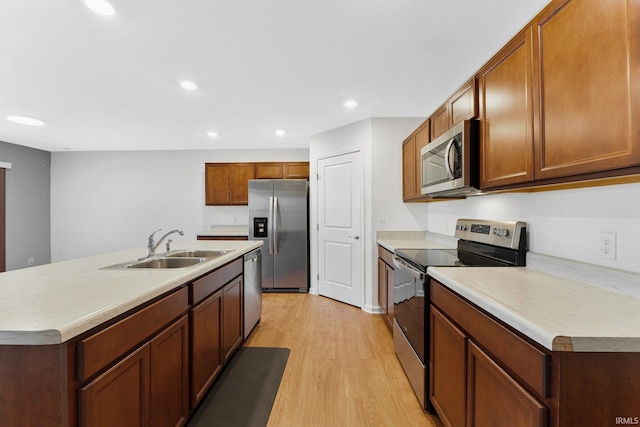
x=403 y=265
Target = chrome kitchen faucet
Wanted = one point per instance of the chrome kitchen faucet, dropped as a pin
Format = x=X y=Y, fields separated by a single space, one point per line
x=152 y=245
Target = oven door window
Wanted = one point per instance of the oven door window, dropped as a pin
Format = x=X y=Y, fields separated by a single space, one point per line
x=410 y=309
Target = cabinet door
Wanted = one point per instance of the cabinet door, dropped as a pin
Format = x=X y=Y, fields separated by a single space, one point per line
x=587 y=63
x=206 y=354
x=409 y=179
x=506 y=113
x=169 y=396
x=241 y=173
x=296 y=170
x=269 y=171
x=495 y=399
x=440 y=122
x=390 y=281
x=232 y=317
x=447 y=373
x=120 y=396
x=216 y=183
x=463 y=105
x=382 y=285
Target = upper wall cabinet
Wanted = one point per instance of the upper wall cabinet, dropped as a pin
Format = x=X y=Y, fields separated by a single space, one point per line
x=411 y=163
x=505 y=87
x=286 y=170
x=461 y=106
x=228 y=183
x=587 y=67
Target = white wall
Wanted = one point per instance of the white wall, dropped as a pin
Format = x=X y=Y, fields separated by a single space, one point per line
x=380 y=142
x=107 y=201
x=562 y=223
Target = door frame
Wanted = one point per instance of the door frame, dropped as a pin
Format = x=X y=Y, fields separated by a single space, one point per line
x=314 y=240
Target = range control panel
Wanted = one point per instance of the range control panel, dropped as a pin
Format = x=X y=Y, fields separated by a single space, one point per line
x=508 y=234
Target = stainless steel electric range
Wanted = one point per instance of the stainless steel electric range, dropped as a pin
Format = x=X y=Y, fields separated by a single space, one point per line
x=481 y=243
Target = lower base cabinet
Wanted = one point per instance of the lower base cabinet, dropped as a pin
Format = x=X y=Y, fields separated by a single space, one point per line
x=148 y=387
x=385 y=284
x=447 y=376
x=495 y=399
x=216 y=329
x=484 y=373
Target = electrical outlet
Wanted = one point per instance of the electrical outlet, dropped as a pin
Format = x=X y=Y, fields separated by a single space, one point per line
x=381 y=223
x=607 y=246
x=30 y=262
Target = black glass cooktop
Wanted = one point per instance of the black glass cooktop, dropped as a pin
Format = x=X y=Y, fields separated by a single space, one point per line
x=423 y=258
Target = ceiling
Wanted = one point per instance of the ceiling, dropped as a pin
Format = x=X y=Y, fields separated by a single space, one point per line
x=112 y=83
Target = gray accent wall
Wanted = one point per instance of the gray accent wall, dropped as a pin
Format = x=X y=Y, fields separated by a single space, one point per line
x=28 y=202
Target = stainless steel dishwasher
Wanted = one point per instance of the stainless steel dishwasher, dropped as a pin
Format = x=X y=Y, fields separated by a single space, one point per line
x=252 y=290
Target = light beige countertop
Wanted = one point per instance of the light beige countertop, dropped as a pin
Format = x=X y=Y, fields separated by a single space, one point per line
x=559 y=313
x=392 y=240
x=225 y=230
x=53 y=303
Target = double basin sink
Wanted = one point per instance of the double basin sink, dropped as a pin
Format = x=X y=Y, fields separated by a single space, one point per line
x=173 y=259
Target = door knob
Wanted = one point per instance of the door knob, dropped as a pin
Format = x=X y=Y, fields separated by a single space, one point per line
x=355 y=237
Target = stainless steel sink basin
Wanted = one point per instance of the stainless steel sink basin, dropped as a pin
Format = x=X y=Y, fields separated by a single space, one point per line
x=166 y=263
x=179 y=258
x=198 y=253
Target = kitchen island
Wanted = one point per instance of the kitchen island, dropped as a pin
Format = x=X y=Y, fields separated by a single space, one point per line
x=76 y=339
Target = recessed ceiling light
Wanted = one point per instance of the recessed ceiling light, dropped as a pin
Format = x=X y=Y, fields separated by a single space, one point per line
x=280 y=132
x=212 y=134
x=350 y=104
x=24 y=120
x=101 y=7
x=188 y=85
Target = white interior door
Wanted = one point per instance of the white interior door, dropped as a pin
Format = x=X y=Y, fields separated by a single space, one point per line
x=339 y=228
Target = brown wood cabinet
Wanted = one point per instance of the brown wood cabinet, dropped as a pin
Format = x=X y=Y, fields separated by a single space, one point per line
x=385 y=284
x=206 y=322
x=120 y=396
x=227 y=183
x=587 y=67
x=511 y=380
x=506 y=114
x=469 y=388
x=412 y=163
x=169 y=377
x=216 y=325
x=491 y=389
x=447 y=373
x=461 y=106
x=148 y=387
x=282 y=170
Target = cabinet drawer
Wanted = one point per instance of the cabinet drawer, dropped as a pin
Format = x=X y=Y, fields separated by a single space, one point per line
x=387 y=256
x=520 y=357
x=102 y=348
x=215 y=280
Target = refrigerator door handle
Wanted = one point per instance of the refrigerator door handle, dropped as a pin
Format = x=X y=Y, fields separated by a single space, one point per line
x=274 y=235
x=270 y=225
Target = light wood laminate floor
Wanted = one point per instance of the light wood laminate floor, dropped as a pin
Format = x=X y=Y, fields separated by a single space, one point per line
x=342 y=370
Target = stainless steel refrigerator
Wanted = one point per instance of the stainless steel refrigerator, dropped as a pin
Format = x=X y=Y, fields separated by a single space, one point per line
x=278 y=215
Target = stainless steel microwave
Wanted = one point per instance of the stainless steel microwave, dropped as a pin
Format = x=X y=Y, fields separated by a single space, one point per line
x=450 y=162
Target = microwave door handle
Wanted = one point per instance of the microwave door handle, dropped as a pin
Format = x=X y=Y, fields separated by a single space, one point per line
x=447 y=164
